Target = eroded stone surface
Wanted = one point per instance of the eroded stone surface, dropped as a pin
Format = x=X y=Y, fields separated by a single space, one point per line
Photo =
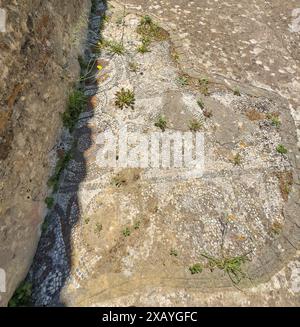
x=233 y=209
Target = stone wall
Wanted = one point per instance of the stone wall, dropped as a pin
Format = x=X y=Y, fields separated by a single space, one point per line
x=38 y=62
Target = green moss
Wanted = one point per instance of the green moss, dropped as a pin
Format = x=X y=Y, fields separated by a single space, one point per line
x=22 y=296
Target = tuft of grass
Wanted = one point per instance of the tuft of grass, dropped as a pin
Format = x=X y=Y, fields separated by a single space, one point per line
x=237 y=92
x=275 y=120
x=237 y=159
x=137 y=225
x=276 y=228
x=126 y=232
x=203 y=84
x=196 y=268
x=133 y=66
x=232 y=266
x=45 y=225
x=60 y=166
x=200 y=103
x=118 y=181
x=125 y=98
x=49 y=202
x=281 y=149
x=144 y=46
x=76 y=103
x=116 y=48
x=147 y=28
x=161 y=123
x=182 y=81
x=195 y=125
x=22 y=296
x=173 y=253
x=98 y=228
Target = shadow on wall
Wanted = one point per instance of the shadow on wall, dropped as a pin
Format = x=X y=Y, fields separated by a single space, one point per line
x=52 y=263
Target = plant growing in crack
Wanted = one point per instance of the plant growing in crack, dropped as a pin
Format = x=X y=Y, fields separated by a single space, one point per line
x=22 y=296
x=49 y=202
x=126 y=232
x=200 y=103
x=232 y=266
x=196 y=268
x=60 y=166
x=275 y=120
x=125 y=98
x=237 y=159
x=161 y=123
x=182 y=81
x=236 y=92
x=195 y=125
x=98 y=228
x=76 y=103
x=118 y=181
x=281 y=149
x=173 y=253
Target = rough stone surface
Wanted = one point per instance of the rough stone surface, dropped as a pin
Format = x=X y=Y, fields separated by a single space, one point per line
x=38 y=61
x=245 y=207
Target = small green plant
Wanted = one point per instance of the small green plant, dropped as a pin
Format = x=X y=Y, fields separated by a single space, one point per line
x=196 y=268
x=147 y=28
x=137 y=225
x=133 y=66
x=125 y=98
x=237 y=159
x=87 y=220
x=45 y=225
x=173 y=253
x=49 y=202
x=60 y=166
x=203 y=84
x=182 y=81
x=231 y=266
x=276 y=228
x=281 y=149
x=118 y=181
x=76 y=103
x=126 y=232
x=237 y=92
x=120 y=21
x=195 y=125
x=161 y=123
x=98 y=228
x=275 y=120
x=144 y=47
x=22 y=296
x=200 y=103
x=116 y=48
